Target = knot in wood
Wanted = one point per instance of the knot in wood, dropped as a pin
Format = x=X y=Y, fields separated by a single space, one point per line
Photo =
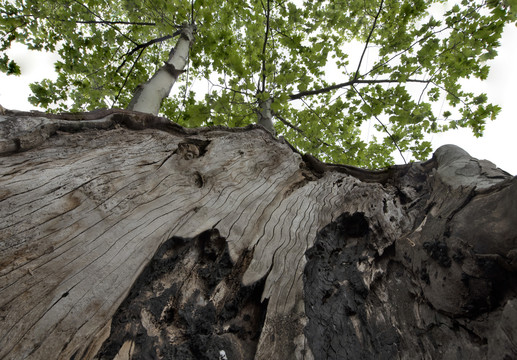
x=188 y=151
x=172 y=70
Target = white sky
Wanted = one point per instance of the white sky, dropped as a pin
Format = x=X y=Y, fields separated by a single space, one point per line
x=497 y=144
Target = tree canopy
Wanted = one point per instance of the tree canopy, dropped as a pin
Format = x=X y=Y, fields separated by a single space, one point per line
x=329 y=67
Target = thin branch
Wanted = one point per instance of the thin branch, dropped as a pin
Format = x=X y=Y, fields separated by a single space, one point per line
x=349 y=83
x=106 y=22
x=383 y=126
x=127 y=77
x=13 y=30
x=186 y=81
x=228 y=88
x=143 y=47
x=452 y=94
x=368 y=40
x=99 y=17
x=151 y=42
x=288 y=123
x=192 y=20
x=122 y=65
x=423 y=91
x=427 y=85
x=419 y=41
x=315 y=113
x=268 y=13
x=298 y=130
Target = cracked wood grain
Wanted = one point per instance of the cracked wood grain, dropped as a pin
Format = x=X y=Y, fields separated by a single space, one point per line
x=89 y=201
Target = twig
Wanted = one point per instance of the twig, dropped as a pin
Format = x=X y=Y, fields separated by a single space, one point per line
x=384 y=126
x=368 y=40
x=419 y=41
x=268 y=12
x=348 y=83
x=127 y=77
x=99 y=17
x=300 y=131
x=106 y=22
x=145 y=45
x=151 y=42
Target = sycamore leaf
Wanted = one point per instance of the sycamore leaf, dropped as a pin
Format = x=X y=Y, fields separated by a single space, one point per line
x=247 y=51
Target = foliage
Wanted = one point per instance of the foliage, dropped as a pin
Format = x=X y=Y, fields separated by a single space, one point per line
x=251 y=50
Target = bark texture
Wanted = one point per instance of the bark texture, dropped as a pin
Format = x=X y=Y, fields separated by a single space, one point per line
x=265 y=116
x=123 y=235
x=148 y=97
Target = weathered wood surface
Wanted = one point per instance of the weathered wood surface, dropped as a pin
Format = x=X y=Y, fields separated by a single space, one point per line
x=124 y=235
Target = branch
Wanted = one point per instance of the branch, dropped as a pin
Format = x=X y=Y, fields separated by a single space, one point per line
x=452 y=94
x=268 y=12
x=228 y=88
x=143 y=46
x=451 y=26
x=355 y=80
x=192 y=20
x=127 y=77
x=349 y=83
x=288 y=123
x=151 y=42
x=430 y=81
x=298 y=130
x=368 y=40
x=101 y=19
x=108 y=22
x=384 y=126
x=315 y=113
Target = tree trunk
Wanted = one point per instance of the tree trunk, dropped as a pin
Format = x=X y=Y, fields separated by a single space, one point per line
x=265 y=116
x=126 y=236
x=148 y=97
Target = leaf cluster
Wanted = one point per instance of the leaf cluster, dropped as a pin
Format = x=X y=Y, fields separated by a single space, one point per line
x=332 y=68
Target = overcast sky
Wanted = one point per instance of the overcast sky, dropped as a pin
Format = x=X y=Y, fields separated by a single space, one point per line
x=497 y=144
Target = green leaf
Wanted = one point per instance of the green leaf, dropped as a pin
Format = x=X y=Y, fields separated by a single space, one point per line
x=243 y=54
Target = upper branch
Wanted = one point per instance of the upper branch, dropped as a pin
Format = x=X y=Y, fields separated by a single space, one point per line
x=268 y=12
x=383 y=126
x=127 y=77
x=101 y=19
x=349 y=83
x=300 y=131
x=105 y=22
x=151 y=42
x=424 y=38
x=356 y=75
x=145 y=45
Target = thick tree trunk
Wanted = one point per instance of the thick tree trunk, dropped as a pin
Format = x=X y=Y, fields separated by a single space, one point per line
x=123 y=235
x=148 y=97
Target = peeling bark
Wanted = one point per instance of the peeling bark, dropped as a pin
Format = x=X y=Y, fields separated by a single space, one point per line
x=123 y=235
x=148 y=97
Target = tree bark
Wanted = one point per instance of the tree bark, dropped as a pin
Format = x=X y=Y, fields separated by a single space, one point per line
x=148 y=97
x=123 y=235
x=265 y=116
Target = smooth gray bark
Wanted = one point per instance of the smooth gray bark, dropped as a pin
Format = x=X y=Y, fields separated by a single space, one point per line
x=123 y=234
